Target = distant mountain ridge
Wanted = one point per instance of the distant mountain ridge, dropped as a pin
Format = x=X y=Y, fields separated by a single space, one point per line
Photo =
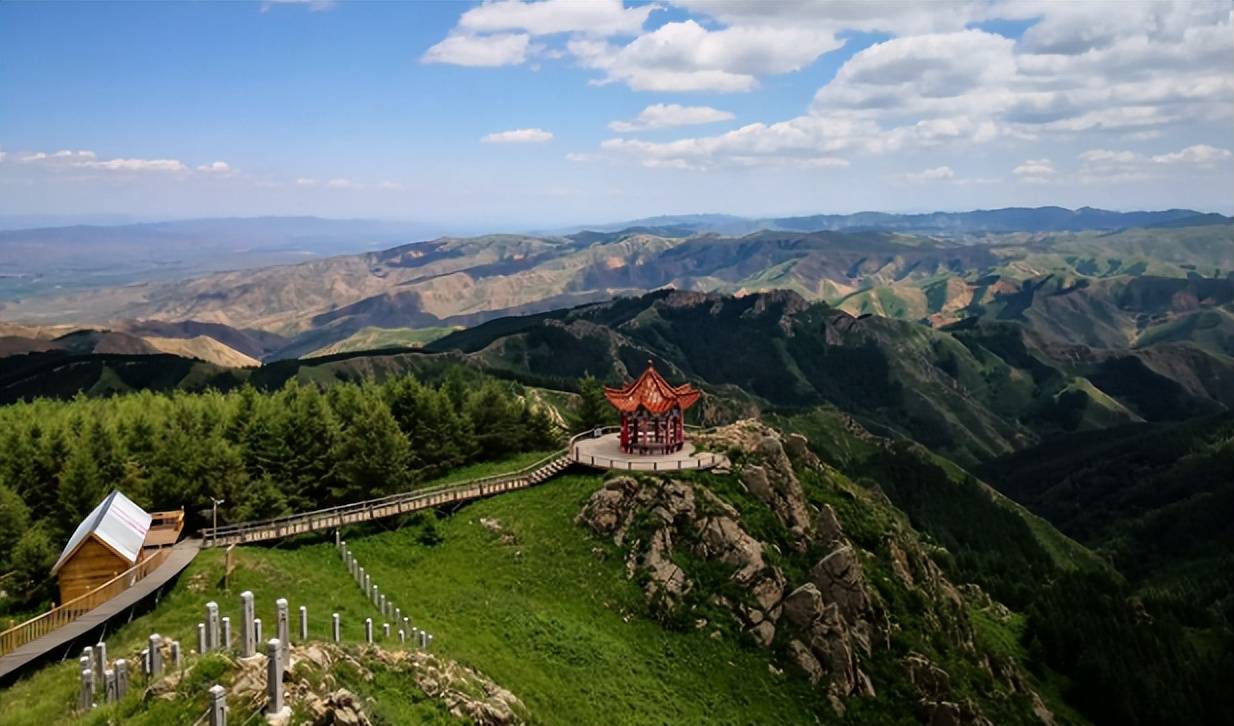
x=1008 y=219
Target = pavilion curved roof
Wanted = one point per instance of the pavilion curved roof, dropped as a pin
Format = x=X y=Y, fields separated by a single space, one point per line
x=651 y=392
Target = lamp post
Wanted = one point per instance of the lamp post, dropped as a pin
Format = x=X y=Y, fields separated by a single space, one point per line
x=214 y=511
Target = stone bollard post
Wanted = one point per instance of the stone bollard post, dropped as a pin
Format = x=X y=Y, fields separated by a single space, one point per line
x=248 y=644
x=203 y=639
x=110 y=694
x=156 y=655
x=87 y=658
x=177 y=658
x=274 y=676
x=385 y=631
x=100 y=663
x=225 y=637
x=366 y=586
x=145 y=662
x=218 y=706
x=381 y=604
x=368 y=630
x=402 y=637
x=407 y=624
x=257 y=629
x=428 y=642
x=334 y=627
x=85 y=698
x=303 y=623
x=83 y=663
x=375 y=594
x=423 y=640
x=212 y=626
x=122 y=678
x=338 y=541
x=398 y=615
x=283 y=631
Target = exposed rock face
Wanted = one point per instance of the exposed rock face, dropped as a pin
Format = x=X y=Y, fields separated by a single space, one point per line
x=832 y=613
x=776 y=485
x=466 y=694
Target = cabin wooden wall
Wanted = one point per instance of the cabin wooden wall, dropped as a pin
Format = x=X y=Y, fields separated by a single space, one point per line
x=92 y=565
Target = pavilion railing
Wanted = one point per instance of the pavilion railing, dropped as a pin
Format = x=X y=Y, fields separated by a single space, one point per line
x=62 y=615
x=705 y=460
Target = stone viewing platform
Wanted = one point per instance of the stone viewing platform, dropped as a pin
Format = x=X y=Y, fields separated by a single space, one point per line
x=605 y=452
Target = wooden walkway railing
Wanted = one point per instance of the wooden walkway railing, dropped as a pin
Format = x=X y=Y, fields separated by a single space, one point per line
x=62 y=615
x=389 y=506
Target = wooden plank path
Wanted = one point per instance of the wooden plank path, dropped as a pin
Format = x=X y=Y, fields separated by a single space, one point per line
x=179 y=558
x=395 y=504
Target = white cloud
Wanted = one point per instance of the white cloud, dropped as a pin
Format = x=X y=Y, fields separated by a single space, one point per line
x=307 y=182
x=937 y=174
x=389 y=186
x=518 y=136
x=502 y=49
x=1035 y=171
x=1199 y=154
x=685 y=56
x=340 y=183
x=580 y=157
x=217 y=167
x=660 y=115
x=314 y=6
x=88 y=160
x=547 y=17
x=803 y=142
x=1106 y=156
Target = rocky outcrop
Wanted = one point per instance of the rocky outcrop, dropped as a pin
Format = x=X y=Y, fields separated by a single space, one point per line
x=830 y=619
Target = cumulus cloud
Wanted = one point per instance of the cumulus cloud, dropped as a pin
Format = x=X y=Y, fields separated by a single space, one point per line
x=809 y=142
x=937 y=174
x=547 y=17
x=661 y=115
x=217 y=167
x=340 y=183
x=518 y=136
x=685 y=56
x=501 y=49
x=1035 y=171
x=1198 y=154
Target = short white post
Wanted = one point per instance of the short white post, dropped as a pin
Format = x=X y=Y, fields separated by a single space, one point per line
x=374 y=594
x=203 y=639
x=303 y=623
x=218 y=706
x=212 y=626
x=334 y=627
x=100 y=664
x=86 y=695
x=402 y=637
x=249 y=636
x=368 y=630
x=274 y=676
x=382 y=605
x=145 y=662
x=283 y=632
x=156 y=655
x=122 y=678
x=257 y=629
x=177 y=658
x=385 y=631
x=225 y=638
x=109 y=686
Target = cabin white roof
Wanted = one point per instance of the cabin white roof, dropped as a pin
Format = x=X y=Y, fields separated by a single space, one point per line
x=117 y=522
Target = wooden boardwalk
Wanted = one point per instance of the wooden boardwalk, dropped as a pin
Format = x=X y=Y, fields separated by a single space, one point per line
x=181 y=555
x=395 y=504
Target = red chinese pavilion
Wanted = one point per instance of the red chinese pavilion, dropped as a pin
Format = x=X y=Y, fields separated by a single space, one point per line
x=651 y=413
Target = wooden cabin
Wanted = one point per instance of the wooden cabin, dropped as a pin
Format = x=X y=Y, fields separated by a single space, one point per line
x=116 y=535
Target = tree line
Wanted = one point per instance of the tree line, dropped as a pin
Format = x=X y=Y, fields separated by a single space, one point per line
x=264 y=454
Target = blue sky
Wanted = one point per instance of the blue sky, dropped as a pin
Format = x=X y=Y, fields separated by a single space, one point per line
x=382 y=109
